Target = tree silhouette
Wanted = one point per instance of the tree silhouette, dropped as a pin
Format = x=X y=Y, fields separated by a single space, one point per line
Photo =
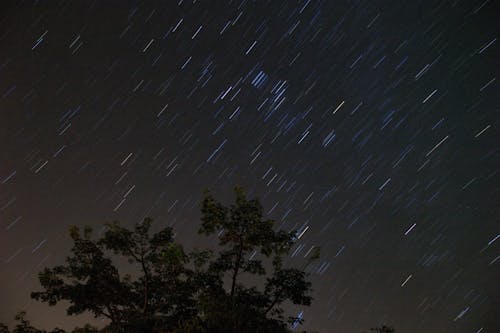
x=241 y=288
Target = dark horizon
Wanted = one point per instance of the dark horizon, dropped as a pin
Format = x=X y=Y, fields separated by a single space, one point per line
x=367 y=125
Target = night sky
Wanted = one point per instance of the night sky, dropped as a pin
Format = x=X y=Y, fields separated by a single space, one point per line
x=369 y=126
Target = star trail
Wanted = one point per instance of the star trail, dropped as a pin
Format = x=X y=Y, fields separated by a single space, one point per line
x=367 y=126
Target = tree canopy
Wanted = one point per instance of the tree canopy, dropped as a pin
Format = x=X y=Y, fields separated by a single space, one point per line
x=239 y=287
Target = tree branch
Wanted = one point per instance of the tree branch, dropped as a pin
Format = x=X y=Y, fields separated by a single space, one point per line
x=111 y=315
x=237 y=265
x=274 y=302
x=146 y=283
x=146 y=275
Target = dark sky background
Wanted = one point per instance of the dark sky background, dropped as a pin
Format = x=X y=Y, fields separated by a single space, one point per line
x=369 y=126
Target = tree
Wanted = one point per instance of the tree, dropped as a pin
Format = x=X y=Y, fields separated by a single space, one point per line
x=244 y=233
x=170 y=290
x=157 y=292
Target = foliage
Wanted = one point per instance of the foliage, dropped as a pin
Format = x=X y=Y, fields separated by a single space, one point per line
x=170 y=290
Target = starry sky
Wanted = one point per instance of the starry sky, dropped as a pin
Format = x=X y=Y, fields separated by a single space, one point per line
x=368 y=126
